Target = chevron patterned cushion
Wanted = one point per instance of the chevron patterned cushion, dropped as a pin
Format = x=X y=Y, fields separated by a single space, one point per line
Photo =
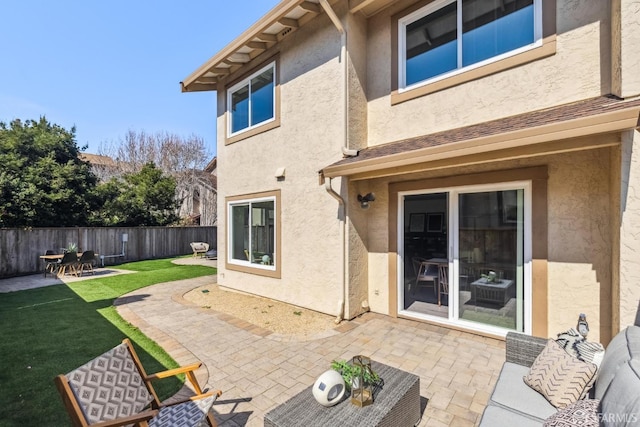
x=560 y=377
x=583 y=413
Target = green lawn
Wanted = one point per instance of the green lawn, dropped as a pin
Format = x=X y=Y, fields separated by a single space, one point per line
x=53 y=330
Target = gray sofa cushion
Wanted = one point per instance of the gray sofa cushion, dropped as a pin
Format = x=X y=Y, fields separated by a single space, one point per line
x=624 y=346
x=620 y=405
x=497 y=416
x=512 y=392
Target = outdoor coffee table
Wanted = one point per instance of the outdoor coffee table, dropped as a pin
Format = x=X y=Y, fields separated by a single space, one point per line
x=498 y=293
x=396 y=404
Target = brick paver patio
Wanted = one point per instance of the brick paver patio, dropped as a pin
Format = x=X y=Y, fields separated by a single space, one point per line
x=257 y=370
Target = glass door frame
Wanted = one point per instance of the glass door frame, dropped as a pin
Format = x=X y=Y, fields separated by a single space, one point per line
x=453 y=255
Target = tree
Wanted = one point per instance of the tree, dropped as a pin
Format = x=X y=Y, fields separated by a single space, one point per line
x=43 y=183
x=145 y=198
x=182 y=158
x=173 y=154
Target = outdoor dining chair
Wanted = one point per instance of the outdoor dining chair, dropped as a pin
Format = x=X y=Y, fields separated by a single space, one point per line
x=443 y=282
x=50 y=264
x=69 y=260
x=86 y=261
x=425 y=272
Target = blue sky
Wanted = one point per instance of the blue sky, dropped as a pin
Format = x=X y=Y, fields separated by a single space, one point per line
x=110 y=66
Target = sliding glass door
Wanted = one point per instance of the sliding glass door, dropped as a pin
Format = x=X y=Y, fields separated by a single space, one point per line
x=465 y=255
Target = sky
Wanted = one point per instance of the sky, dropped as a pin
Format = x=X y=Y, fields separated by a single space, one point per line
x=107 y=67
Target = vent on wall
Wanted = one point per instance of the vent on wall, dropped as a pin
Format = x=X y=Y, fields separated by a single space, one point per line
x=285 y=32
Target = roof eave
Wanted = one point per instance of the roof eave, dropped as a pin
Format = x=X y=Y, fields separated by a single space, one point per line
x=248 y=39
x=608 y=122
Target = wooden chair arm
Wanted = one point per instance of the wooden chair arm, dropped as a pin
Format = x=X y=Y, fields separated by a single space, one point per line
x=188 y=370
x=174 y=372
x=137 y=419
x=216 y=393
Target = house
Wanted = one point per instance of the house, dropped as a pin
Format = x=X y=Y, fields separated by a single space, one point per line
x=199 y=197
x=196 y=190
x=359 y=138
x=104 y=167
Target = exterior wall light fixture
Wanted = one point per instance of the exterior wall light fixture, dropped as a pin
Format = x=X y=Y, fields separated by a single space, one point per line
x=366 y=199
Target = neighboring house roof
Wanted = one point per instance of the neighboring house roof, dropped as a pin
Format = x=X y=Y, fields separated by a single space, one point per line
x=212 y=165
x=208 y=180
x=592 y=116
x=97 y=160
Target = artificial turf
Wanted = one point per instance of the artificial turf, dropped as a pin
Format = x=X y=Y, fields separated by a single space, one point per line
x=48 y=331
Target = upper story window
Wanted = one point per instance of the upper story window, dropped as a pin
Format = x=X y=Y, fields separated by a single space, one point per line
x=447 y=37
x=252 y=102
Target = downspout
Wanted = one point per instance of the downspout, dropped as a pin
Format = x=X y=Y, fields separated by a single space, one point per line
x=341 y=303
x=346 y=151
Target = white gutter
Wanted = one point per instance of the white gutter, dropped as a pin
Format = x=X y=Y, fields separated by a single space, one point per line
x=331 y=191
x=346 y=151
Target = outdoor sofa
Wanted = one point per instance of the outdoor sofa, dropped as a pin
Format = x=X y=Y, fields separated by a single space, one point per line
x=617 y=387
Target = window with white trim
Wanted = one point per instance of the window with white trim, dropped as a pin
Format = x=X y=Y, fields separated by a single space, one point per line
x=252 y=101
x=447 y=37
x=252 y=232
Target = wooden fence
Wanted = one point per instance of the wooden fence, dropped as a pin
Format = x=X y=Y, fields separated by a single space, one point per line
x=20 y=249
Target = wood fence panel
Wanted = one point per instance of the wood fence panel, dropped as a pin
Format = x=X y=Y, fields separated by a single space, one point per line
x=20 y=249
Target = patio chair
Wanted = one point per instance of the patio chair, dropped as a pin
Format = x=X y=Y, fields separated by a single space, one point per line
x=50 y=265
x=443 y=281
x=425 y=272
x=199 y=248
x=113 y=390
x=86 y=261
x=68 y=260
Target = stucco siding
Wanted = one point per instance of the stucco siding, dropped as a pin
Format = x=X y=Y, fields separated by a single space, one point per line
x=579 y=252
x=580 y=241
x=332 y=254
x=625 y=22
x=583 y=37
x=310 y=137
x=629 y=310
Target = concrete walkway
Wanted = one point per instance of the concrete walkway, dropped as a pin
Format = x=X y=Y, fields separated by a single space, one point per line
x=257 y=370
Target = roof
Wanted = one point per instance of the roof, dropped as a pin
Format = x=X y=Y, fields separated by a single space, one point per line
x=212 y=165
x=592 y=116
x=286 y=17
x=277 y=24
x=208 y=180
x=97 y=160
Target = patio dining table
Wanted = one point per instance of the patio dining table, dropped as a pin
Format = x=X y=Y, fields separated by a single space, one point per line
x=55 y=258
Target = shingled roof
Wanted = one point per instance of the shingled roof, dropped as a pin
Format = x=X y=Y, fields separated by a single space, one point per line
x=595 y=115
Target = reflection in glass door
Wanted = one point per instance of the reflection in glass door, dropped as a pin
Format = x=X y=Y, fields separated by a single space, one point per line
x=465 y=256
x=491 y=258
x=426 y=254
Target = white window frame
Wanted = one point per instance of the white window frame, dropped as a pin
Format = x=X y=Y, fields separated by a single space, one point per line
x=438 y=4
x=250 y=201
x=247 y=82
x=452 y=318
